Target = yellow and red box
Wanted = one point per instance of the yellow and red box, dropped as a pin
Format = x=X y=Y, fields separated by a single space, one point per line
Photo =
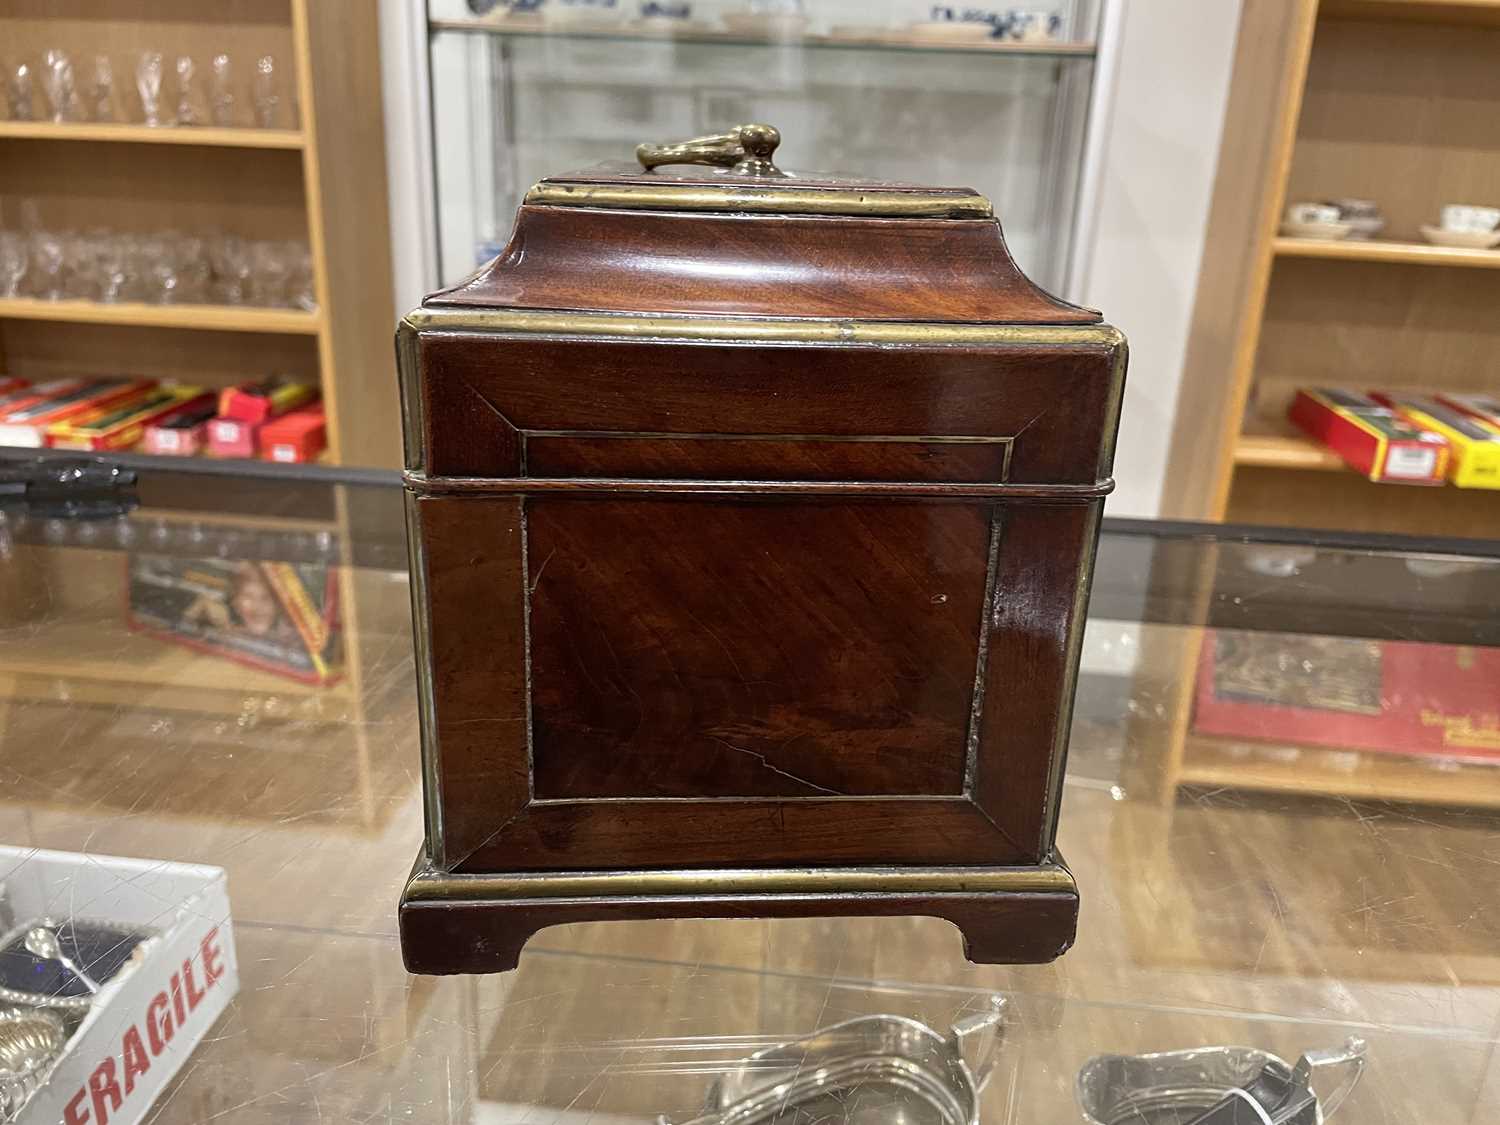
x=122 y=424
x=294 y=438
x=26 y=423
x=259 y=402
x=1475 y=446
x=1372 y=439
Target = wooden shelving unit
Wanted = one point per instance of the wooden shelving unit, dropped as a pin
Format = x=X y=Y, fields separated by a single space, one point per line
x=202 y=136
x=1402 y=253
x=318 y=177
x=1391 y=100
x=205 y=318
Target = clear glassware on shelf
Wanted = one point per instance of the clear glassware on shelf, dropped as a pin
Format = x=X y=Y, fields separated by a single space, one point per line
x=47 y=259
x=271 y=266
x=188 y=112
x=229 y=256
x=148 y=75
x=113 y=255
x=102 y=95
x=267 y=99
x=80 y=266
x=221 y=91
x=158 y=260
x=18 y=92
x=14 y=260
x=194 y=272
x=301 y=289
x=61 y=87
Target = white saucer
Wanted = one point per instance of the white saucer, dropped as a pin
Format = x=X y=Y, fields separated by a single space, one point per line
x=1463 y=239
x=1327 y=232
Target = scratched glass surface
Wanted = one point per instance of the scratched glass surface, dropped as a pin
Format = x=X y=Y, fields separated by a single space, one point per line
x=1277 y=807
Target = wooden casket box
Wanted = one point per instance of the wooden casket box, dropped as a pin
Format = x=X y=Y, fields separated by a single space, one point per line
x=751 y=521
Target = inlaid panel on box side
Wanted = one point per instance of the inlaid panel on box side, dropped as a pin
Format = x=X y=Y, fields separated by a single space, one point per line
x=699 y=649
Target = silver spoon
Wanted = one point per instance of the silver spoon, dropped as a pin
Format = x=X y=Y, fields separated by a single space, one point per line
x=41 y=941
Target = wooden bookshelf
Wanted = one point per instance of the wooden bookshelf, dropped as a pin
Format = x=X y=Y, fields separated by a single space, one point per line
x=202 y=136
x=1402 y=253
x=205 y=318
x=1390 y=100
x=259 y=183
x=318 y=177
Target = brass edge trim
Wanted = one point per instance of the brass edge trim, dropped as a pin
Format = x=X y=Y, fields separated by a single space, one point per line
x=1117 y=372
x=741 y=198
x=753 y=329
x=432 y=792
x=409 y=377
x=422 y=484
x=1062 y=739
x=1046 y=878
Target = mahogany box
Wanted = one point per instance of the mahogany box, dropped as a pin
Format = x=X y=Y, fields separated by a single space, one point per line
x=751 y=521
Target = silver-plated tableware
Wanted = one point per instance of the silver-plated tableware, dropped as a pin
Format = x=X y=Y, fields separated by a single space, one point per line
x=1180 y=1087
x=864 y=1071
x=30 y=1039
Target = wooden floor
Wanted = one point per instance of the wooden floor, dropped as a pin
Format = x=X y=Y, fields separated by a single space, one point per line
x=1275 y=921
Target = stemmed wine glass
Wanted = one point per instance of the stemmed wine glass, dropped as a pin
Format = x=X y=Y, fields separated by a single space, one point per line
x=13 y=262
x=148 y=82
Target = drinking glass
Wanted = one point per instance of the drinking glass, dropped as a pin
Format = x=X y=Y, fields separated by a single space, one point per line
x=158 y=260
x=221 y=93
x=303 y=294
x=47 y=258
x=18 y=92
x=113 y=252
x=193 y=269
x=14 y=259
x=267 y=100
x=229 y=255
x=272 y=266
x=148 y=83
x=103 y=93
x=80 y=266
x=187 y=92
x=60 y=87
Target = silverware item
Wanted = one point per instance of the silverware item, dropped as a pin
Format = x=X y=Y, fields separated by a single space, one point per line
x=30 y=1038
x=42 y=941
x=1206 y=1085
x=865 y=1071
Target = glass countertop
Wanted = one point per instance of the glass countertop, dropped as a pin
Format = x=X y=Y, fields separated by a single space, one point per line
x=1279 y=807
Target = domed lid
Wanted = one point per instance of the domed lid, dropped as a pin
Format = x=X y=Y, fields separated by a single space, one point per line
x=711 y=226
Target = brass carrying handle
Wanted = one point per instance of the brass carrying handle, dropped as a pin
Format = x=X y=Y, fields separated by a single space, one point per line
x=745 y=150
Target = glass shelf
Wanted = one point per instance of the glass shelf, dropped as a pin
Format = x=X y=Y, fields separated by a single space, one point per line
x=839 y=37
x=863 y=90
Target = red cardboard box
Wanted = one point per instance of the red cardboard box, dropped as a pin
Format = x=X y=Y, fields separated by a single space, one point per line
x=294 y=438
x=230 y=437
x=1372 y=439
x=1397 y=697
x=183 y=433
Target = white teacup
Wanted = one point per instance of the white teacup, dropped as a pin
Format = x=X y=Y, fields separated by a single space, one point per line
x=1313 y=213
x=1469 y=216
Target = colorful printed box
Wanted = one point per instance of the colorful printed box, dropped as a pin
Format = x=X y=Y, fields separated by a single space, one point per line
x=1474 y=446
x=1372 y=439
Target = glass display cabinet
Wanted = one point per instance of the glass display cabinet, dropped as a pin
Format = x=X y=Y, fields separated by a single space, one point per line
x=995 y=98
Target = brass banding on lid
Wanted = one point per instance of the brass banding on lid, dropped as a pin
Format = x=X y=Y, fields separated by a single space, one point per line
x=744 y=198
